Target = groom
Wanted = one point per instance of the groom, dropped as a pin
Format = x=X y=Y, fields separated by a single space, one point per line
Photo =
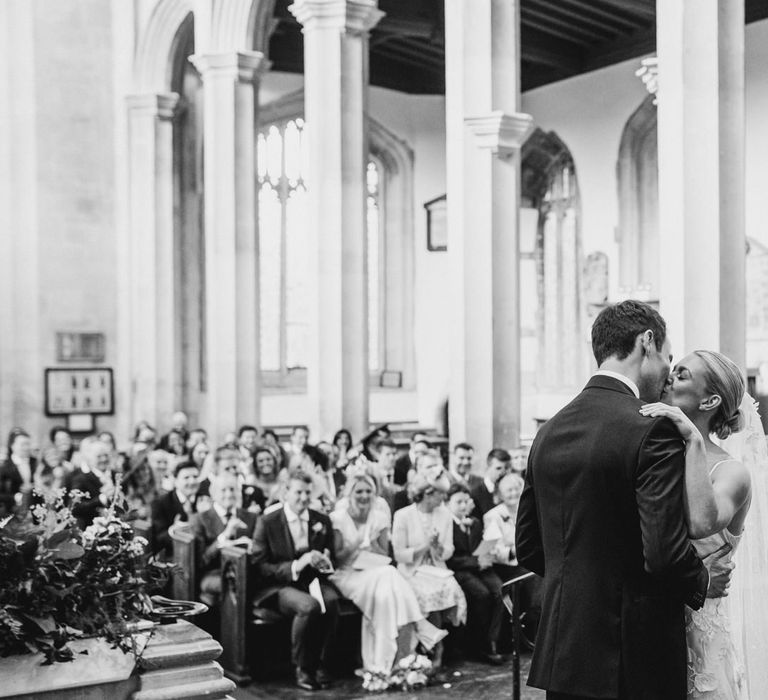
x=601 y=519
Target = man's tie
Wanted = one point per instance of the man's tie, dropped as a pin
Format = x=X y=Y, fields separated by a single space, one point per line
x=188 y=508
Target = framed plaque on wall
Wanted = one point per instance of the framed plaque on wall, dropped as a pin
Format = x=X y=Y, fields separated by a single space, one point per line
x=79 y=391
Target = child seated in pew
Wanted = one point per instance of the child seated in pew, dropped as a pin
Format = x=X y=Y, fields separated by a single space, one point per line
x=476 y=576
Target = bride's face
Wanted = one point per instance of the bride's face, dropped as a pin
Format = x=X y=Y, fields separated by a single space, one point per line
x=686 y=387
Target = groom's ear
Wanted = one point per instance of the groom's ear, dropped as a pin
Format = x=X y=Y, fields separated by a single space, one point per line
x=646 y=340
x=710 y=402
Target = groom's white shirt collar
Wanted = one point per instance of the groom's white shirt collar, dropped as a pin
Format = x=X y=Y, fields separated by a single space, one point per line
x=621 y=378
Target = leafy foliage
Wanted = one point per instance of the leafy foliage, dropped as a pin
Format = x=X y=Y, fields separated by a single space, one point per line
x=59 y=582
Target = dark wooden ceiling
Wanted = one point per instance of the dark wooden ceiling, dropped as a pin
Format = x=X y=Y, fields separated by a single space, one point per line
x=560 y=39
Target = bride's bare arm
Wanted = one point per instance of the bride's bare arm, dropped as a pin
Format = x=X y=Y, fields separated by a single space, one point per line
x=710 y=505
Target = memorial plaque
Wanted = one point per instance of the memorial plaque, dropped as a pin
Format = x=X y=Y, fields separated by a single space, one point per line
x=78 y=391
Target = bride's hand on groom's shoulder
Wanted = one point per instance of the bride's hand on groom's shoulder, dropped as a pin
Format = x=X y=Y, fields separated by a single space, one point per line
x=687 y=429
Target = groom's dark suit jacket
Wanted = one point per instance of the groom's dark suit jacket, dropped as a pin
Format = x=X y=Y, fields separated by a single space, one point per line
x=601 y=519
x=274 y=551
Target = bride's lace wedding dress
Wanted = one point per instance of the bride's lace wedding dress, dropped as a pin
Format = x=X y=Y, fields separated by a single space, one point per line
x=715 y=669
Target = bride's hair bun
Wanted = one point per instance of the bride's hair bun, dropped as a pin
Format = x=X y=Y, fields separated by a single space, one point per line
x=724 y=378
x=723 y=427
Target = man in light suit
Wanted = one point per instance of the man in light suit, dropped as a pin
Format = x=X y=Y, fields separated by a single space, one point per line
x=293 y=552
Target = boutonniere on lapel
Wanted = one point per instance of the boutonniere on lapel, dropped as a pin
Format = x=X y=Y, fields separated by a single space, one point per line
x=318 y=528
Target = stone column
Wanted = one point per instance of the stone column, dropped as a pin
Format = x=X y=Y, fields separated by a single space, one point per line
x=232 y=365
x=484 y=131
x=701 y=174
x=151 y=339
x=335 y=92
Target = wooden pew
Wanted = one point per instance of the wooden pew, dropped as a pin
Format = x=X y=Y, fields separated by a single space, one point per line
x=256 y=640
x=185 y=556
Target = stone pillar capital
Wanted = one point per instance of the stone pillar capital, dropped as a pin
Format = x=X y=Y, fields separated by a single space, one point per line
x=502 y=133
x=353 y=16
x=162 y=106
x=245 y=66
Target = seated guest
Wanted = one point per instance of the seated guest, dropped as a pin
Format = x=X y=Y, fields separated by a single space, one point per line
x=293 y=551
x=174 y=443
x=264 y=480
x=335 y=478
x=118 y=460
x=222 y=525
x=140 y=485
x=475 y=574
x=299 y=438
x=62 y=440
x=484 y=494
x=247 y=441
x=407 y=463
x=422 y=540
x=179 y=422
x=93 y=478
x=429 y=463
x=226 y=459
x=384 y=471
x=370 y=442
x=270 y=441
x=16 y=472
x=461 y=466
x=391 y=613
x=313 y=462
x=176 y=506
x=342 y=441
x=162 y=463
x=500 y=524
x=196 y=436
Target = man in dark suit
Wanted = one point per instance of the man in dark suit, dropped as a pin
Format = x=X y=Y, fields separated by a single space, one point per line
x=476 y=576
x=419 y=446
x=460 y=469
x=293 y=552
x=601 y=518
x=93 y=479
x=223 y=524
x=175 y=506
x=485 y=492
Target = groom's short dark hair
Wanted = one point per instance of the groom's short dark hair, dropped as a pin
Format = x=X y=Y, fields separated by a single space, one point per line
x=616 y=328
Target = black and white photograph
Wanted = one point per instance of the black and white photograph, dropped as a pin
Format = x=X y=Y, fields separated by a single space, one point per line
x=384 y=349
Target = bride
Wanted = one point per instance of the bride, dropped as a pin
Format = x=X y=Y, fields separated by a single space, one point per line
x=702 y=397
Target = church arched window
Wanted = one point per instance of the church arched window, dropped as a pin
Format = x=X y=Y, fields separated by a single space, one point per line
x=285 y=296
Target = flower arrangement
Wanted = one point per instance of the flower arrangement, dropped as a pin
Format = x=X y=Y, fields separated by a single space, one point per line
x=411 y=673
x=61 y=583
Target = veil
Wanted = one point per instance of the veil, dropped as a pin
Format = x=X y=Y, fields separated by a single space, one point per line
x=748 y=598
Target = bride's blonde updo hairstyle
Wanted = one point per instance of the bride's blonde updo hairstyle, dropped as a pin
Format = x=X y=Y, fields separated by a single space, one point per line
x=723 y=378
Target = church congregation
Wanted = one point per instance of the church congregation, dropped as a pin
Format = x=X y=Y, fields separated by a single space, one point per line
x=421 y=561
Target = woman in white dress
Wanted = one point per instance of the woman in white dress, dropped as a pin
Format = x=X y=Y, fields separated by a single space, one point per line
x=392 y=620
x=702 y=398
x=422 y=539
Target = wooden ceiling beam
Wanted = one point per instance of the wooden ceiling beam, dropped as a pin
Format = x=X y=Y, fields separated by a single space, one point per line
x=387 y=53
x=551 y=31
x=536 y=54
x=601 y=25
x=547 y=19
x=633 y=8
x=634 y=46
x=618 y=20
x=406 y=55
x=429 y=48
